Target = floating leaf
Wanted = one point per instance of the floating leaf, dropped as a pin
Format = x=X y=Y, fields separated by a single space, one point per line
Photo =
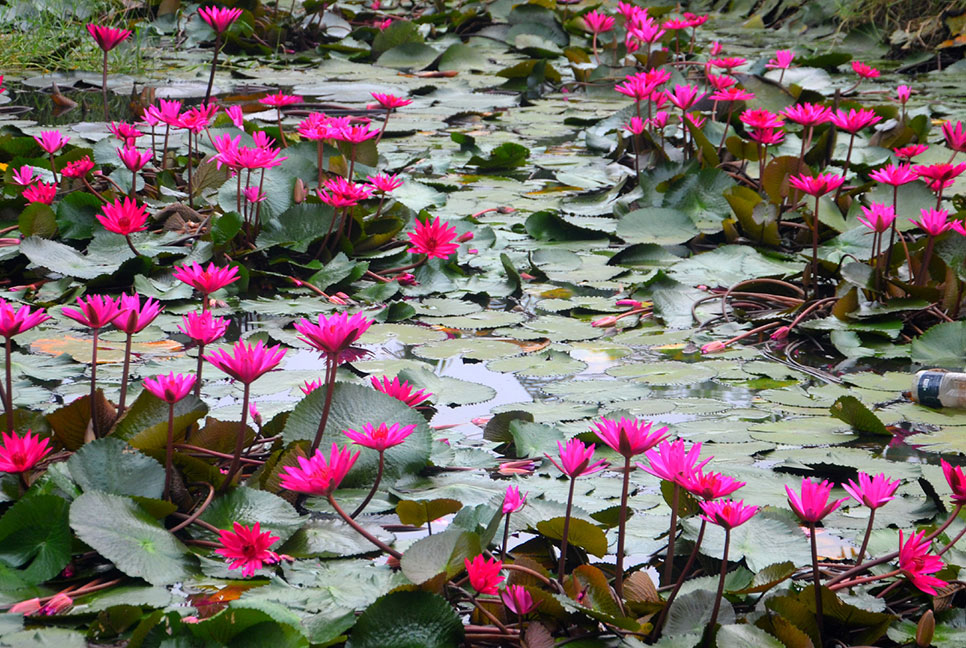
x=580 y=533
x=406 y=619
x=851 y=410
x=112 y=466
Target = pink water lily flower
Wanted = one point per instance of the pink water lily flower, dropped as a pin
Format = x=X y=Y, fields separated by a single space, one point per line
x=878 y=217
x=933 y=221
x=575 y=459
x=24 y=175
x=597 y=22
x=811 y=505
x=51 y=141
x=19 y=454
x=94 y=311
x=78 y=168
x=14 y=322
x=390 y=102
x=384 y=182
x=204 y=328
x=219 y=18
x=782 y=61
x=170 y=388
x=247 y=548
x=710 y=485
x=333 y=335
x=107 y=38
x=894 y=175
x=956 y=480
x=518 y=600
x=247 y=362
x=955 y=136
x=854 y=120
x=865 y=71
x=674 y=461
x=206 y=280
x=727 y=63
x=760 y=118
x=727 y=513
x=684 y=97
x=873 y=492
x=513 y=501
x=280 y=99
x=629 y=437
x=380 y=437
x=318 y=476
x=808 y=114
x=135 y=316
x=819 y=185
x=400 y=391
x=903 y=93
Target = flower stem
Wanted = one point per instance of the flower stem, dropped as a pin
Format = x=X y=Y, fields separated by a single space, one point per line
x=817 y=583
x=865 y=540
x=365 y=534
x=169 y=453
x=93 y=402
x=239 y=442
x=621 y=523
x=721 y=583
x=214 y=62
x=867 y=579
x=813 y=279
x=375 y=486
x=127 y=238
x=124 y=374
x=923 y=273
x=680 y=581
x=201 y=351
x=191 y=197
x=330 y=368
x=8 y=405
x=672 y=532
x=104 y=87
x=566 y=531
x=506 y=537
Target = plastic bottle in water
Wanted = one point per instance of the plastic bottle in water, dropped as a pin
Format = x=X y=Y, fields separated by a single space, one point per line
x=938 y=388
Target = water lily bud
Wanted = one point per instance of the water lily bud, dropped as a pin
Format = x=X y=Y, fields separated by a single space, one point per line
x=713 y=347
x=925 y=629
x=604 y=322
x=299 y=192
x=781 y=333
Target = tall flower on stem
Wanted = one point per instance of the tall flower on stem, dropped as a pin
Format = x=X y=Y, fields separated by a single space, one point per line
x=332 y=337
x=878 y=217
x=134 y=160
x=597 y=23
x=727 y=514
x=389 y=103
x=278 y=101
x=246 y=363
x=895 y=176
x=816 y=186
x=94 y=312
x=320 y=477
x=675 y=463
x=132 y=318
x=107 y=38
x=170 y=389
x=247 y=548
x=782 y=61
x=852 y=122
x=872 y=492
x=933 y=222
x=513 y=501
x=203 y=328
x=432 y=238
x=484 y=573
x=219 y=19
x=629 y=438
x=51 y=142
x=124 y=217
x=575 y=460
x=206 y=280
x=380 y=438
x=812 y=505
x=939 y=177
x=916 y=564
x=14 y=322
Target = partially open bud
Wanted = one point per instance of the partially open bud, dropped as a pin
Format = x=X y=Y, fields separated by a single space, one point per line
x=604 y=322
x=925 y=629
x=713 y=347
x=781 y=333
x=26 y=608
x=299 y=192
x=58 y=604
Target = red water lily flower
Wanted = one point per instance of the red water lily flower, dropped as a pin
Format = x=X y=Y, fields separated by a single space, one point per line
x=433 y=238
x=204 y=328
x=894 y=175
x=598 y=22
x=513 y=501
x=400 y=391
x=710 y=485
x=819 y=185
x=42 y=192
x=484 y=573
x=865 y=71
x=206 y=280
x=19 y=454
x=14 y=322
x=956 y=480
x=808 y=114
x=247 y=548
x=916 y=563
x=219 y=18
x=854 y=120
x=247 y=362
x=389 y=102
x=124 y=216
